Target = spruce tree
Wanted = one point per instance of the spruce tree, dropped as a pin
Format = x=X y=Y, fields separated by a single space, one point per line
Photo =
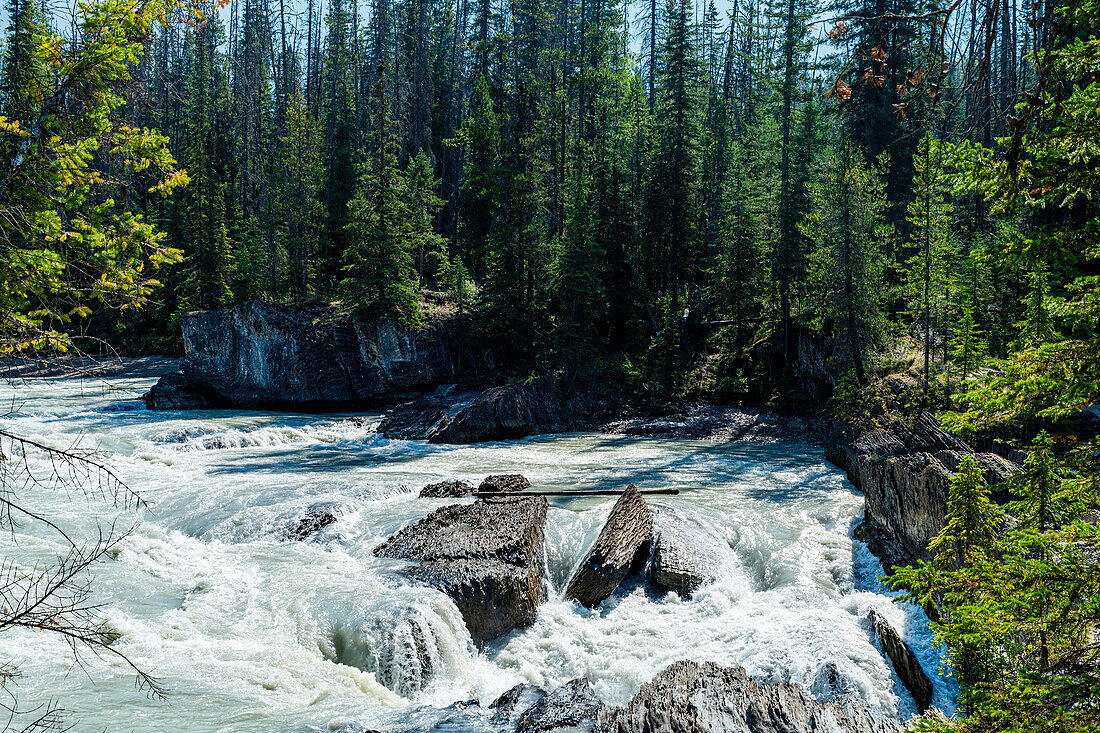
x=380 y=278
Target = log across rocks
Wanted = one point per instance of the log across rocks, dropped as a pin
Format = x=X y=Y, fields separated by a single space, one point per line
x=623 y=544
x=688 y=696
x=487 y=556
x=905 y=662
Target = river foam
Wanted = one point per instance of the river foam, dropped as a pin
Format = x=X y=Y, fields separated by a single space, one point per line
x=250 y=631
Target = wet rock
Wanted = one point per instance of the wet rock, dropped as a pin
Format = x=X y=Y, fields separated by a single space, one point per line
x=540 y=405
x=505 y=482
x=905 y=662
x=310 y=357
x=515 y=702
x=416 y=420
x=573 y=708
x=316 y=518
x=175 y=392
x=686 y=553
x=830 y=682
x=487 y=556
x=902 y=460
x=688 y=696
x=622 y=545
x=446 y=490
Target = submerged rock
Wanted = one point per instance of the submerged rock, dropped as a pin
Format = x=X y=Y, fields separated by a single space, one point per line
x=316 y=517
x=516 y=701
x=693 y=697
x=905 y=662
x=572 y=708
x=446 y=490
x=623 y=544
x=505 y=482
x=686 y=554
x=540 y=405
x=312 y=357
x=487 y=556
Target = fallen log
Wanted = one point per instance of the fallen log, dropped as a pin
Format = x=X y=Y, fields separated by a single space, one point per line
x=575 y=492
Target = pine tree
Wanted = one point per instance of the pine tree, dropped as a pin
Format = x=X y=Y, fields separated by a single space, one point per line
x=22 y=81
x=301 y=175
x=423 y=206
x=969 y=344
x=209 y=254
x=847 y=228
x=931 y=271
x=380 y=276
x=674 y=203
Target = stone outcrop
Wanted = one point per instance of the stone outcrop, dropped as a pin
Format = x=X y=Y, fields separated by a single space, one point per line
x=688 y=697
x=572 y=708
x=415 y=420
x=905 y=662
x=446 y=490
x=902 y=460
x=175 y=392
x=622 y=545
x=316 y=517
x=264 y=355
x=686 y=554
x=506 y=482
x=540 y=405
x=487 y=556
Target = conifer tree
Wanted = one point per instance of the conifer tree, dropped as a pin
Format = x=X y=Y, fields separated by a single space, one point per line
x=847 y=228
x=380 y=278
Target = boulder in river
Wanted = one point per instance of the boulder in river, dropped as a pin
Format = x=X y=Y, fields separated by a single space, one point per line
x=516 y=701
x=446 y=490
x=688 y=696
x=905 y=662
x=686 y=553
x=487 y=556
x=572 y=708
x=622 y=545
x=541 y=405
x=505 y=482
x=316 y=517
x=175 y=392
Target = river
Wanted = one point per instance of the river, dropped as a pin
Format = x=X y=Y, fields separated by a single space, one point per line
x=249 y=632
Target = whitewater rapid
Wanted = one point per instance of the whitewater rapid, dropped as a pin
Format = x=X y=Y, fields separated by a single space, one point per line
x=250 y=632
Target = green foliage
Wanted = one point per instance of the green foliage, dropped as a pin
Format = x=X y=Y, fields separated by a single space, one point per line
x=847 y=228
x=70 y=239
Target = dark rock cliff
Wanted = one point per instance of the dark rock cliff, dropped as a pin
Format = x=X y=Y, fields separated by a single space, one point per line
x=902 y=460
x=266 y=355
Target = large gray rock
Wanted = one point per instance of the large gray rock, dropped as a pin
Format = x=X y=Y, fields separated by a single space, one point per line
x=572 y=708
x=905 y=662
x=686 y=553
x=688 y=697
x=541 y=405
x=622 y=545
x=446 y=490
x=487 y=556
x=259 y=355
x=506 y=482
